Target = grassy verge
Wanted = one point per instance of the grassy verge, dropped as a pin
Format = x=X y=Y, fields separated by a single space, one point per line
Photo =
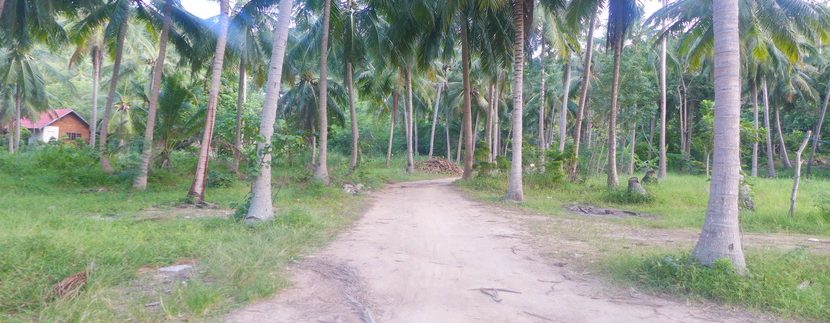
x=793 y=284
x=57 y=221
x=678 y=202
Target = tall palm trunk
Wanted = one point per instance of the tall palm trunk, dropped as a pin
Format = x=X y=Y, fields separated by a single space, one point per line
x=353 y=117
x=488 y=127
x=770 y=152
x=563 y=113
x=583 y=96
x=140 y=182
x=18 y=107
x=241 y=97
x=515 y=190
x=97 y=58
x=784 y=155
x=392 y=117
x=261 y=207
x=2 y=2
x=817 y=130
x=438 y=88
x=196 y=194
x=543 y=144
x=721 y=235
x=116 y=74
x=612 y=118
x=447 y=131
x=754 y=171
x=321 y=172
x=662 y=164
x=408 y=120
x=467 y=124
x=496 y=122
x=632 y=146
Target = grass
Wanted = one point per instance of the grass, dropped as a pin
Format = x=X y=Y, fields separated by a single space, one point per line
x=57 y=221
x=678 y=202
x=792 y=284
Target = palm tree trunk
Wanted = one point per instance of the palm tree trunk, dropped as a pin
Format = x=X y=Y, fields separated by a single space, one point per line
x=321 y=173
x=414 y=131
x=459 y=146
x=261 y=207
x=467 y=124
x=770 y=152
x=817 y=131
x=515 y=190
x=488 y=127
x=140 y=182
x=583 y=96
x=410 y=160
x=2 y=2
x=632 y=146
x=612 y=118
x=97 y=57
x=651 y=125
x=392 y=117
x=447 y=131
x=496 y=122
x=754 y=172
x=240 y=103
x=721 y=235
x=196 y=195
x=18 y=107
x=662 y=164
x=105 y=120
x=563 y=113
x=784 y=155
x=438 y=88
x=353 y=116
x=542 y=142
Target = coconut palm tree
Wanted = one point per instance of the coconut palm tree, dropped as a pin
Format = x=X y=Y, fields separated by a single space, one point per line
x=140 y=182
x=321 y=172
x=721 y=235
x=261 y=206
x=196 y=194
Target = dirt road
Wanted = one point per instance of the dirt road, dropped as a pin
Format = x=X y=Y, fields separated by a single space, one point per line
x=424 y=253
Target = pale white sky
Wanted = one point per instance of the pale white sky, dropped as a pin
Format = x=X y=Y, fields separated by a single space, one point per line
x=210 y=8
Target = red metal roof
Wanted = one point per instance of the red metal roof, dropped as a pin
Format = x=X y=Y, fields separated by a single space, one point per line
x=46 y=118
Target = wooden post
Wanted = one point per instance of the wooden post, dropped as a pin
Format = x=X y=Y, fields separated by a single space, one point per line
x=797 y=176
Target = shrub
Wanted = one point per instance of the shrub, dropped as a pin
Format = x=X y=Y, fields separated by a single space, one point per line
x=220 y=179
x=823 y=204
x=622 y=196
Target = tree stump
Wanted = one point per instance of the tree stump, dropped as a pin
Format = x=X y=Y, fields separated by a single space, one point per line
x=650 y=177
x=634 y=187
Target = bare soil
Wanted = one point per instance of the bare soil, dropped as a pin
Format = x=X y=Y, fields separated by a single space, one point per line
x=425 y=253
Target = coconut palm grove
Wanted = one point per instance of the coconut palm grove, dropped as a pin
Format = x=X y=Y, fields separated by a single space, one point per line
x=414 y=160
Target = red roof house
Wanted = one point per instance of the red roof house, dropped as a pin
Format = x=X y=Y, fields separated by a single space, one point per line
x=63 y=124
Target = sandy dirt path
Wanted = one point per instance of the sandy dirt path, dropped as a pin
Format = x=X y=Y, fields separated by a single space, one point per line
x=424 y=253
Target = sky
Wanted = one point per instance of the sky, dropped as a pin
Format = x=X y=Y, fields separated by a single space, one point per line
x=210 y=8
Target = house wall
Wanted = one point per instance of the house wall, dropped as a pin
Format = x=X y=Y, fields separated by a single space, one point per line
x=72 y=124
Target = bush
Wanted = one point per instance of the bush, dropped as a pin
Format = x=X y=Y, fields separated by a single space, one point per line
x=622 y=196
x=220 y=179
x=823 y=204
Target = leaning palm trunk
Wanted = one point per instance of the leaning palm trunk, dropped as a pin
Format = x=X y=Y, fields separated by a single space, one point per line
x=754 y=171
x=140 y=182
x=321 y=173
x=438 y=88
x=784 y=155
x=563 y=113
x=196 y=195
x=770 y=152
x=116 y=74
x=543 y=144
x=261 y=207
x=515 y=190
x=819 y=124
x=612 y=118
x=97 y=58
x=583 y=97
x=240 y=103
x=467 y=124
x=721 y=235
x=353 y=116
